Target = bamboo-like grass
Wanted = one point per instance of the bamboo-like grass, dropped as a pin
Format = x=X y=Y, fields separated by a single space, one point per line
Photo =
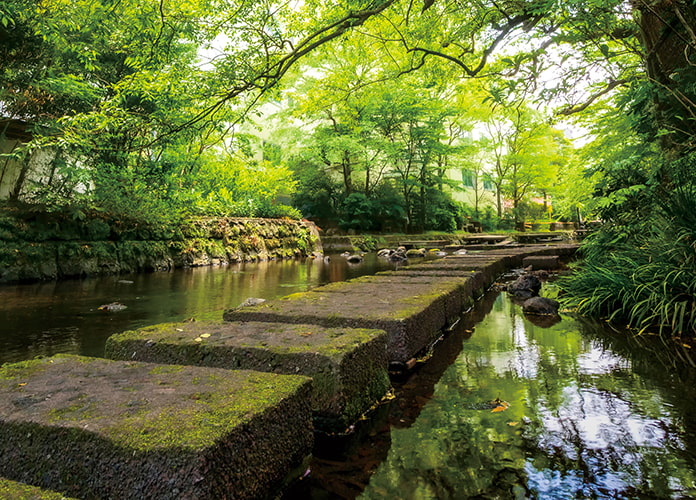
x=642 y=274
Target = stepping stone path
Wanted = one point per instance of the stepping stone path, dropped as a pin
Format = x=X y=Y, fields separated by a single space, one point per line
x=348 y=366
x=227 y=409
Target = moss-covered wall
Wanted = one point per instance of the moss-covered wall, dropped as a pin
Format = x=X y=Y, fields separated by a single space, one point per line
x=42 y=246
x=372 y=242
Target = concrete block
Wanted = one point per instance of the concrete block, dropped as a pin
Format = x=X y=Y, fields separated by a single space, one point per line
x=96 y=428
x=349 y=366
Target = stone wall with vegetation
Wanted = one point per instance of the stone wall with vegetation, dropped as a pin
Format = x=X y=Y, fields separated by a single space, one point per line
x=372 y=242
x=42 y=246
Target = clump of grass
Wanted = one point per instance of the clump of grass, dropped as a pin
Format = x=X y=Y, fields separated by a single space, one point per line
x=642 y=273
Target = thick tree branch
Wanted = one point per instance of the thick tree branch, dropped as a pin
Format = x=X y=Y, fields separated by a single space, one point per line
x=512 y=24
x=591 y=99
x=269 y=76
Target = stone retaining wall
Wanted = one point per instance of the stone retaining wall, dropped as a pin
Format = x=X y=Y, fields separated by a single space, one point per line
x=47 y=246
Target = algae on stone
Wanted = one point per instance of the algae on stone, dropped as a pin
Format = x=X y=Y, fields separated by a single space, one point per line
x=12 y=490
x=108 y=429
x=348 y=366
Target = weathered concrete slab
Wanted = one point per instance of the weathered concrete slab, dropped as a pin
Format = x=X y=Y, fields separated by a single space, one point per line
x=412 y=317
x=12 y=490
x=349 y=366
x=457 y=289
x=450 y=289
x=484 y=269
x=95 y=428
x=547 y=262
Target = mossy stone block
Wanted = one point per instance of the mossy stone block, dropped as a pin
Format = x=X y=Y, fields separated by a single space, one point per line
x=412 y=317
x=451 y=289
x=349 y=366
x=12 y=490
x=96 y=428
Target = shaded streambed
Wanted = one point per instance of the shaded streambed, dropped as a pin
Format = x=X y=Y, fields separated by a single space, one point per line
x=42 y=319
x=592 y=414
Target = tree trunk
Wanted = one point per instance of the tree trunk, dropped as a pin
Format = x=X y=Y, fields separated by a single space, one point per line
x=347 y=173
x=667 y=31
x=499 y=200
x=21 y=178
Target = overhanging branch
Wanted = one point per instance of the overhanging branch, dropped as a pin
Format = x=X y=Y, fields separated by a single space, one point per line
x=569 y=110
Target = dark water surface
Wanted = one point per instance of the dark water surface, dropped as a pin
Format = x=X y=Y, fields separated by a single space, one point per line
x=583 y=411
x=63 y=316
x=592 y=414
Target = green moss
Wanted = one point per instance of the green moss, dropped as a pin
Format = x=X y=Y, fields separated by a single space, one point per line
x=76 y=412
x=21 y=370
x=164 y=369
x=12 y=490
x=215 y=414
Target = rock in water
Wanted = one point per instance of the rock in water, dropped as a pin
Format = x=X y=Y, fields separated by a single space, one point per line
x=251 y=301
x=525 y=286
x=540 y=306
x=112 y=307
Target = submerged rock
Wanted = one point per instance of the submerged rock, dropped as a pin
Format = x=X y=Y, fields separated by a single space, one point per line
x=416 y=252
x=251 y=301
x=112 y=307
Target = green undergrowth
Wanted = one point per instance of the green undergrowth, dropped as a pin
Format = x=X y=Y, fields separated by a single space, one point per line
x=642 y=273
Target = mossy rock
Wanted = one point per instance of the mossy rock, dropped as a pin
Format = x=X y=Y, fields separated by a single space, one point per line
x=12 y=490
x=95 y=428
x=412 y=316
x=349 y=366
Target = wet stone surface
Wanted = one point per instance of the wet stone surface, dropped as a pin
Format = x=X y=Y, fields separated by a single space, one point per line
x=411 y=315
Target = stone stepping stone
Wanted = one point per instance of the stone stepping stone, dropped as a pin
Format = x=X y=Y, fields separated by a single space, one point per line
x=12 y=490
x=349 y=366
x=411 y=315
x=96 y=428
x=546 y=262
x=457 y=290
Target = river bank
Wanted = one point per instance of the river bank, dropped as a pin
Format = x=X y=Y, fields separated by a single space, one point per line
x=36 y=246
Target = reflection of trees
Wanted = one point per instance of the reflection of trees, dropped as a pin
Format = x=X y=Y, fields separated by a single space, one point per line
x=345 y=468
x=600 y=428
x=582 y=422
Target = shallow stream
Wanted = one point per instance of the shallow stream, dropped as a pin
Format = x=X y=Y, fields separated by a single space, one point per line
x=64 y=317
x=504 y=409
x=507 y=409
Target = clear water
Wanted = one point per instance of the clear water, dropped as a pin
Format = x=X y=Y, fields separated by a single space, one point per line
x=63 y=316
x=587 y=413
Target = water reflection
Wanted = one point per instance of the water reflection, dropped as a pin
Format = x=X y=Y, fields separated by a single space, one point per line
x=63 y=316
x=582 y=421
